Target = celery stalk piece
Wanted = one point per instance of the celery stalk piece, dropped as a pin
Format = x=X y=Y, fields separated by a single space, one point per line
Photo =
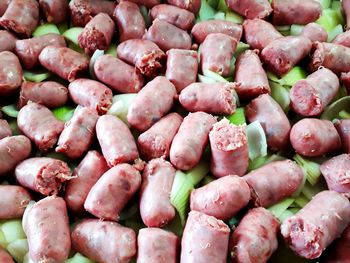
x=112 y=50
x=13 y=230
x=344 y=114
x=234 y=17
x=301 y=186
x=197 y=173
x=18 y=249
x=294 y=210
x=146 y=15
x=325 y=3
x=222 y=6
x=301 y=200
x=332 y=111
x=334 y=32
x=241 y=47
x=336 y=6
x=62 y=27
x=3 y=242
x=206 y=12
x=75 y=47
x=295 y=30
x=10 y=110
x=219 y=16
x=286 y=214
x=120 y=106
x=238 y=117
x=64 y=113
x=93 y=59
x=329 y=19
x=79 y=258
x=205 y=79
x=311 y=169
x=309 y=191
x=46 y=28
x=26 y=259
x=213 y=75
x=36 y=76
x=256 y=140
x=213 y=3
x=207 y=180
x=280 y=94
x=297 y=73
x=280 y=207
x=72 y=34
x=261 y=161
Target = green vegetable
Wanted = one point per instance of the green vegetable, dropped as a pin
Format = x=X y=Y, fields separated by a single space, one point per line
x=213 y=3
x=46 y=29
x=12 y=230
x=311 y=169
x=256 y=140
x=329 y=19
x=234 y=17
x=232 y=66
x=18 y=249
x=286 y=214
x=263 y=160
x=309 y=191
x=112 y=50
x=334 y=32
x=295 y=74
x=204 y=79
x=222 y=6
x=301 y=200
x=325 y=3
x=64 y=113
x=120 y=106
x=3 y=242
x=333 y=110
x=219 y=16
x=295 y=30
x=63 y=27
x=279 y=208
x=93 y=59
x=75 y=47
x=175 y=225
x=233 y=222
x=237 y=117
x=14 y=127
x=208 y=179
x=197 y=173
x=146 y=15
x=241 y=47
x=78 y=258
x=36 y=76
x=72 y=34
x=10 y=110
x=206 y=12
x=284 y=30
x=280 y=94
x=213 y=75
x=344 y=114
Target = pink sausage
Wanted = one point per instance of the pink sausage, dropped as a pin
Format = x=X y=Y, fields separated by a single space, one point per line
x=7 y=41
x=216 y=53
x=267 y=188
x=192 y=6
x=342 y=39
x=5 y=129
x=345 y=80
x=10 y=73
x=317 y=224
x=205 y=239
x=156 y=245
x=42 y=174
x=147 y=57
x=85 y=175
x=156 y=141
x=314 y=32
x=255 y=238
x=250 y=8
x=151 y=103
x=222 y=198
x=92 y=94
x=28 y=50
x=13 y=150
x=78 y=133
x=189 y=142
x=48 y=93
x=104 y=241
x=215 y=98
x=129 y=20
x=314 y=137
x=346 y=8
x=340 y=249
x=274 y=121
x=168 y=36
x=63 y=61
x=5 y=257
x=47 y=228
x=343 y=128
x=174 y=15
x=250 y=77
x=3 y=6
x=55 y=11
x=181 y=68
x=112 y=191
x=229 y=149
x=147 y=3
x=157 y=181
x=13 y=202
x=108 y=70
x=117 y=143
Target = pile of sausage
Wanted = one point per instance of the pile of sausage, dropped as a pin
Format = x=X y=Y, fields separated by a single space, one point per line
x=171 y=122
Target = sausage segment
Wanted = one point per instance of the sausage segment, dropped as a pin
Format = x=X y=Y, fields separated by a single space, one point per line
x=10 y=73
x=13 y=202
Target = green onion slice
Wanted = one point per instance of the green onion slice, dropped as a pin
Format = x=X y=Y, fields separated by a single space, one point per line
x=72 y=34
x=46 y=29
x=10 y=110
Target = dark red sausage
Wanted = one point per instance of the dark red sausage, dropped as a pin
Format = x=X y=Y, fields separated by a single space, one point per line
x=10 y=73
x=63 y=61
x=146 y=3
x=192 y=6
x=343 y=128
x=342 y=39
x=21 y=17
x=5 y=257
x=13 y=202
x=314 y=137
x=250 y=8
x=7 y=41
x=97 y=34
x=346 y=8
x=269 y=182
x=5 y=129
x=340 y=249
x=55 y=11
x=129 y=20
x=78 y=133
x=314 y=32
x=316 y=225
x=42 y=174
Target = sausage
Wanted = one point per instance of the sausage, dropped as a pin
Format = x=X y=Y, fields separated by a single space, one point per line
x=335 y=171
x=40 y=125
x=55 y=11
x=315 y=32
x=43 y=174
x=332 y=56
x=317 y=224
x=3 y=6
x=104 y=241
x=269 y=183
x=156 y=141
x=216 y=53
x=48 y=93
x=82 y=11
x=302 y=12
x=117 y=185
x=192 y=6
x=92 y=94
x=13 y=150
x=250 y=77
x=340 y=249
x=202 y=29
x=47 y=228
x=342 y=39
x=174 y=15
x=108 y=70
x=10 y=73
x=151 y=103
x=250 y=8
x=205 y=239
x=310 y=96
x=259 y=33
x=314 y=137
x=221 y=198
x=147 y=57
x=21 y=17
x=5 y=257
x=346 y=8
x=345 y=80
x=255 y=238
x=7 y=41
x=229 y=149
x=63 y=61
x=192 y=137
x=5 y=129
x=97 y=34
x=343 y=129
x=28 y=50
x=282 y=54
x=85 y=175
x=129 y=20
x=78 y=133
x=147 y=3
x=156 y=245
x=276 y=126
x=13 y=202
x=215 y=98
x=116 y=141
x=157 y=181
x=181 y=67
x=168 y=36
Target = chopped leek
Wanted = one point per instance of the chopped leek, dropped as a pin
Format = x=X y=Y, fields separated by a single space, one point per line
x=36 y=76
x=286 y=214
x=295 y=74
x=301 y=200
x=222 y=6
x=295 y=30
x=325 y=3
x=72 y=34
x=241 y=47
x=263 y=160
x=213 y=3
x=238 y=117
x=18 y=249
x=206 y=12
x=64 y=113
x=213 y=75
x=78 y=258
x=14 y=127
x=234 y=17
x=175 y=225
x=280 y=94
x=284 y=30
x=334 y=32
x=63 y=27
x=3 y=242
x=120 y=106
x=75 y=47
x=329 y=19
x=333 y=110
x=10 y=110
x=309 y=191
x=232 y=66
x=197 y=173
x=93 y=59
x=46 y=29
x=344 y=114
x=12 y=230
x=233 y=222
x=281 y=207
x=207 y=180
x=146 y=15
x=112 y=50
x=204 y=79
x=256 y=140
x=311 y=169
x=219 y=16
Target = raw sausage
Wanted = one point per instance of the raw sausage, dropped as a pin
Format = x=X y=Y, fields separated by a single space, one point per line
x=346 y=8
x=250 y=8
x=5 y=129
x=147 y=3
x=55 y=11
x=13 y=202
x=7 y=41
x=342 y=39
x=314 y=32
x=343 y=128
x=340 y=249
x=10 y=73
x=5 y=257
x=192 y=6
